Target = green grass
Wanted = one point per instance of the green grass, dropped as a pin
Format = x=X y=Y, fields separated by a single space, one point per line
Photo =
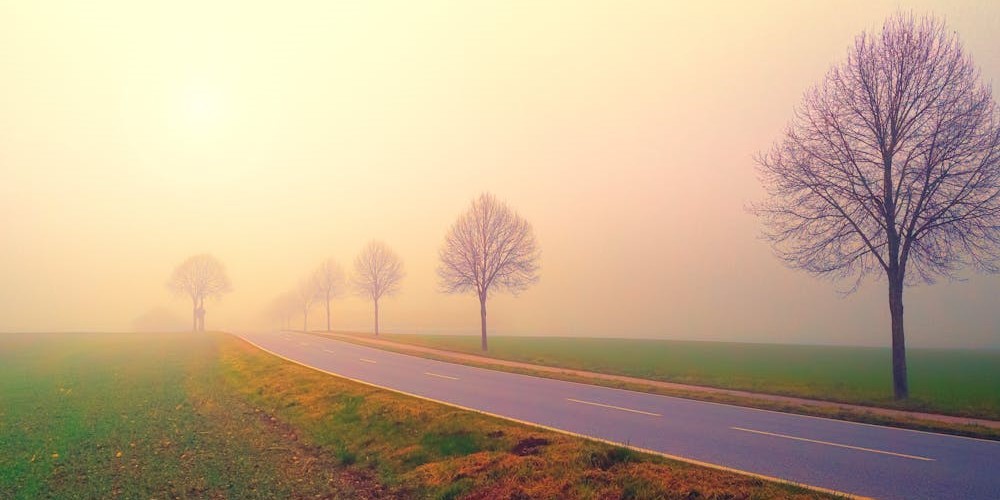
x=119 y=415
x=207 y=415
x=957 y=382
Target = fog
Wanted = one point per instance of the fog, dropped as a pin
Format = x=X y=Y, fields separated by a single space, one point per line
x=275 y=135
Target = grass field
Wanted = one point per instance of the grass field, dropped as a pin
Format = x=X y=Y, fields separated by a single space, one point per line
x=207 y=415
x=957 y=382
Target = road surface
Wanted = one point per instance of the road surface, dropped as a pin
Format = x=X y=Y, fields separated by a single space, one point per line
x=858 y=459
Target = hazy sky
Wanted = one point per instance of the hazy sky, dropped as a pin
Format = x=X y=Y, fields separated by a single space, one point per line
x=276 y=134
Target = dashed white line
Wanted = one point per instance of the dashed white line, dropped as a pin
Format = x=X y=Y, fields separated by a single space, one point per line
x=329 y=351
x=859 y=448
x=367 y=360
x=449 y=377
x=613 y=407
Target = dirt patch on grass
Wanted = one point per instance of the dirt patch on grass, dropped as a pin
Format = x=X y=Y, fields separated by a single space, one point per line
x=529 y=446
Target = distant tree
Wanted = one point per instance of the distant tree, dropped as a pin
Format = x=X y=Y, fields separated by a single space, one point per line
x=306 y=296
x=489 y=248
x=329 y=280
x=377 y=273
x=283 y=308
x=199 y=277
x=891 y=167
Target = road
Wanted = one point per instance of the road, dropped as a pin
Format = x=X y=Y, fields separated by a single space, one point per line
x=858 y=459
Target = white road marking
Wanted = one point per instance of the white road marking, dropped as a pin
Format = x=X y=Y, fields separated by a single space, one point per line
x=449 y=377
x=329 y=351
x=367 y=360
x=576 y=434
x=613 y=407
x=883 y=452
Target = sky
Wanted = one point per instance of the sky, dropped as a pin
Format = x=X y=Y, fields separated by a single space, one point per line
x=274 y=135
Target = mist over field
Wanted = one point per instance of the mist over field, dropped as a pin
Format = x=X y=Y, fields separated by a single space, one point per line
x=134 y=135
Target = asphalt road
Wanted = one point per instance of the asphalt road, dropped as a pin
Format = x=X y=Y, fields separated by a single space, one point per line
x=859 y=459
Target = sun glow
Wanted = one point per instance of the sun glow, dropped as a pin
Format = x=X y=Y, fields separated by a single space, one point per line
x=201 y=109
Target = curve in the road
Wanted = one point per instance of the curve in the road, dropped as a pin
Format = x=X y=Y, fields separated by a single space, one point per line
x=837 y=457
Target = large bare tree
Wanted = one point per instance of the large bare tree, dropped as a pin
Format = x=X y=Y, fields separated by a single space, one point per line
x=891 y=166
x=489 y=248
x=329 y=281
x=378 y=272
x=199 y=277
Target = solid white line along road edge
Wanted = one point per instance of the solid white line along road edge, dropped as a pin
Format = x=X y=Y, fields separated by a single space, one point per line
x=449 y=377
x=859 y=448
x=368 y=360
x=613 y=407
x=730 y=405
x=710 y=465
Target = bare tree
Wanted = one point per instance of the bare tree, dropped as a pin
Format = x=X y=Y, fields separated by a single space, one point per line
x=489 y=248
x=306 y=295
x=377 y=273
x=891 y=166
x=329 y=280
x=199 y=277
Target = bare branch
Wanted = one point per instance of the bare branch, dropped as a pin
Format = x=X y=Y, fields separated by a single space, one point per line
x=489 y=248
x=891 y=164
x=378 y=271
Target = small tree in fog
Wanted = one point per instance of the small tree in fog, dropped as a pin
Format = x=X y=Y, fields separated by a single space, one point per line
x=306 y=296
x=199 y=277
x=490 y=248
x=329 y=281
x=377 y=273
x=891 y=167
x=283 y=308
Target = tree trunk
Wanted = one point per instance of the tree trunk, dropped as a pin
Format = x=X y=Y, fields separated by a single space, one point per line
x=482 y=318
x=305 y=320
x=328 y=312
x=376 y=317
x=900 y=385
x=194 y=315
x=201 y=314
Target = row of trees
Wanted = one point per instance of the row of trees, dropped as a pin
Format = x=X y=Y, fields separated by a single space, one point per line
x=890 y=167
x=378 y=272
x=489 y=249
